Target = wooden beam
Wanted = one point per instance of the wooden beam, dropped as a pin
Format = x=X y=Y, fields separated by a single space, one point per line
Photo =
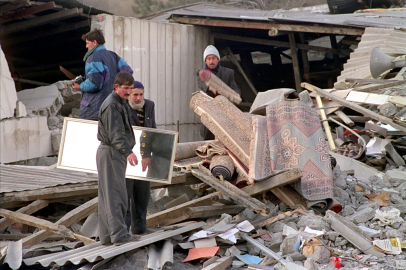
x=230 y=190
x=220 y=264
x=44 y=225
x=353 y=106
x=303 y=53
x=278 y=217
x=289 y=196
x=345 y=118
x=326 y=126
x=281 y=179
x=58 y=193
x=15 y=4
x=29 y=209
x=295 y=62
x=339 y=30
x=354 y=118
x=41 y=34
x=26 y=12
x=369 y=88
x=176 y=214
x=67 y=220
x=275 y=43
x=234 y=60
x=61 y=15
x=212 y=211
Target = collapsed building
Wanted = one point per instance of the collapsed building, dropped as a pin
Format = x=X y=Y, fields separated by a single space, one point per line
x=290 y=51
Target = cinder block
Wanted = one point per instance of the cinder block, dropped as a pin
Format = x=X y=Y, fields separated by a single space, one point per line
x=44 y=100
x=24 y=138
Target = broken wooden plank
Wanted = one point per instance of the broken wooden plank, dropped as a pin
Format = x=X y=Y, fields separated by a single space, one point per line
x=353 y=106
x=327 y=129
x=289 y=196
x=373 y=87
x=281 y=179
x=29 y=209
x=52 y=194
x=230 y=190
x=67 y=220
x=179 y=200
x=345 y=118
x=277 y=218
x=212 y=211
x=176 y=214
x=44 y=225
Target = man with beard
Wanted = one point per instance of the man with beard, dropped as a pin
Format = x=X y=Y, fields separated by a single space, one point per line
x=117 y=140
x=100 y=70
x=141 y=114
x=211 y=57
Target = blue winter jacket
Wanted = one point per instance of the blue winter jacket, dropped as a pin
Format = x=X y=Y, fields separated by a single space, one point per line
x=101 y=69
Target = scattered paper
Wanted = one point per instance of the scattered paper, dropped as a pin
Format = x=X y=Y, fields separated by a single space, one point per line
x=245 y=226
x=287 y=230
x=201 y=253
x=247 y=259
x=376 y=147
x=316 y=232
x=229 y=235
x=388 y=246
x=199 y=235
x=388 y=218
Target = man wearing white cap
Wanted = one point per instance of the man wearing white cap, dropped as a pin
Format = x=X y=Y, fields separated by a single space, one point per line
x=211 y=57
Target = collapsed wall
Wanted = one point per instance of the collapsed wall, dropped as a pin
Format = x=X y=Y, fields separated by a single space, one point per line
x=22 y=136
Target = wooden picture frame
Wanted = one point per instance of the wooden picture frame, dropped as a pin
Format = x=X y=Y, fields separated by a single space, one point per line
x=79 y=145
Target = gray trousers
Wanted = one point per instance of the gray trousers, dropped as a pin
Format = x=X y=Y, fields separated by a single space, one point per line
x=111 y=166
x=138 y=197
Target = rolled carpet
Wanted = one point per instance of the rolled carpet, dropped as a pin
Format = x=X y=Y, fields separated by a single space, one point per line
x=222 y=165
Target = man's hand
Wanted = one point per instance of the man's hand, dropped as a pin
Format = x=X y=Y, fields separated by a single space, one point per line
x=132 y=158
x=75 y=86
x=145 y=163
x=214 y=91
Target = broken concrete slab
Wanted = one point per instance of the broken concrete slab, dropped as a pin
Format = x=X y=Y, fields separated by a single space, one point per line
x=44 y=100
x=20 y=110
x=361 y=170
x=24 y=138
x=364 y=215
x=395 y=176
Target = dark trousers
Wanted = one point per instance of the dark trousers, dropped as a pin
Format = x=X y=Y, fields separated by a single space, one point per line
x=113 y=202
x=138 y=193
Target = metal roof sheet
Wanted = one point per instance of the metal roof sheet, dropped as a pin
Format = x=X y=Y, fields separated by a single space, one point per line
x=97 y=251
x=392 y=19
x=19 y=178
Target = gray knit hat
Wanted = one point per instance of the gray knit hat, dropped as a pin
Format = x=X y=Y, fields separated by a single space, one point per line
x=210 y=50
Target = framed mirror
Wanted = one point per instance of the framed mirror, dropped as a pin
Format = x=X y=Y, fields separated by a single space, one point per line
x=79 y=145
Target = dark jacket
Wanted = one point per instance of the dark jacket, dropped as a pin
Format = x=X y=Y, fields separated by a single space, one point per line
x=101 y=69
x=114 y=128
x=149 y=117
x=226 y=75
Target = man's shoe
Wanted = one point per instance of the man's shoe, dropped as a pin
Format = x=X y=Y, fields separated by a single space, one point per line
x=147 y=231
x=127 y=239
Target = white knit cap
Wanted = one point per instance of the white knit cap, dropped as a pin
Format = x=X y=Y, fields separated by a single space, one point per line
x=210 y=50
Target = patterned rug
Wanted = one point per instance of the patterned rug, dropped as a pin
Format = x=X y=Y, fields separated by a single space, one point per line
x=296 y=140
x=222 y=165
x=197 y=99
x=188 y=163
x=210 y=149
x=230 y=125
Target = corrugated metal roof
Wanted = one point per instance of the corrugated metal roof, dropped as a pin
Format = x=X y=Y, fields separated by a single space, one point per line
x=393 y=19
x=389 y=41
x=19 y=178
x=97 y=251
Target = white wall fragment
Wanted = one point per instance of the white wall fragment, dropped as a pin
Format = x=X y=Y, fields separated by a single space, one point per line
x=24 y=138
x=8 y=96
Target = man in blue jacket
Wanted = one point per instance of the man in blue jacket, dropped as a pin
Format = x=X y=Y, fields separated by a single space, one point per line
x=101 y=68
